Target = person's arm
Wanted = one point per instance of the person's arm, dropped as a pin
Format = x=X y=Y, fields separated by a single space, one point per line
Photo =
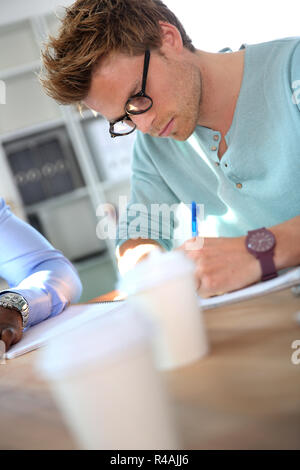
x=224 y=264
x=35 y=270
x=143 y=227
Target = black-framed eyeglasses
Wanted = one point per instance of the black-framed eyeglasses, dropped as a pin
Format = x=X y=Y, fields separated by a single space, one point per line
x=137 y=104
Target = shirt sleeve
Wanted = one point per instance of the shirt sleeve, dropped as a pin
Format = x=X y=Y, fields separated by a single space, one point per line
x=152 y=207
x=295 y=75
x=34 y=269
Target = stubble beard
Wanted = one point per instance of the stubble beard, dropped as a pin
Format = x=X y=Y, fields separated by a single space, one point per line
x=190 y=116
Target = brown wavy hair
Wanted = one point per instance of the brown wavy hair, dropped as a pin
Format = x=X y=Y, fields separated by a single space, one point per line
x=90 y=30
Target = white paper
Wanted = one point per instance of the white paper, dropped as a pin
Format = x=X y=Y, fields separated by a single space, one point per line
x=288 y=279
x=74 y=316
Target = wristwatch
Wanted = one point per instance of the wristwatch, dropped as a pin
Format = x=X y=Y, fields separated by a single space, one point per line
x=17 y=302
x=261 y=243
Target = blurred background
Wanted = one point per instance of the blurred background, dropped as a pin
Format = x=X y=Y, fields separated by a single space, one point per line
x=57 y=166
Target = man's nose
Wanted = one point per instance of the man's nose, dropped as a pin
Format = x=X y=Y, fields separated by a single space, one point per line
x=144 y=121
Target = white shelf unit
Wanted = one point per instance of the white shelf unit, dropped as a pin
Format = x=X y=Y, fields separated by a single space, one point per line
x=28 y=111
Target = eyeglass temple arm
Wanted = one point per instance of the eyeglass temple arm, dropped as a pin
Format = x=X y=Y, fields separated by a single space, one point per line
x=145 y=72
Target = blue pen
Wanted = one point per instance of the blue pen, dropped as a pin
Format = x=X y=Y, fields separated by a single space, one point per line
x=194 y=220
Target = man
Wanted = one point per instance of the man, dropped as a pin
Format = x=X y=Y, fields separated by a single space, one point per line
x=221 y=129
x=42 y=281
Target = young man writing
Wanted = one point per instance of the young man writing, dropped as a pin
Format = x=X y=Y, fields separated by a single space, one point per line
x=220 y=129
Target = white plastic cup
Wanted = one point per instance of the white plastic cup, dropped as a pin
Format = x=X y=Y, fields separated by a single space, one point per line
x=163 y=287
x=103 y=377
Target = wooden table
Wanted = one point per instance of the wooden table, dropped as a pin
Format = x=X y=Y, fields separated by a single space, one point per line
x=244 y=395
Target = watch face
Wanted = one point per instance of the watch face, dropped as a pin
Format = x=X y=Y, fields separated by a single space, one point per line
x=261 y=241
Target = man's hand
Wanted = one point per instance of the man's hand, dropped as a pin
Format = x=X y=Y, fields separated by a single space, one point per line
x=10 y=326
x=222 y=264
x=134 y=251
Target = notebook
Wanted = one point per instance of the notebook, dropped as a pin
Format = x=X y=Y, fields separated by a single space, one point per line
x=72 y=317
x=76 y=315
x=288 y=279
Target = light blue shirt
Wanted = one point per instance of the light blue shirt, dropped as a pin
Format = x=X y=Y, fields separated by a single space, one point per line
x=34 y=269
x=257 y=181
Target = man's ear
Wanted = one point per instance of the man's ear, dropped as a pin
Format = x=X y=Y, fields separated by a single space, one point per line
x=170 y=37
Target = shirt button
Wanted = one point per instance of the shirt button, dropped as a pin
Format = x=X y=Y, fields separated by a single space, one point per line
x=216 y=137
x=217 y=163
x=214 y=149
x=225 y=164
x=239 y=185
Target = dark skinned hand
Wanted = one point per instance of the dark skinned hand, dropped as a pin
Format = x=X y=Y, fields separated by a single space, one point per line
x=10 y=326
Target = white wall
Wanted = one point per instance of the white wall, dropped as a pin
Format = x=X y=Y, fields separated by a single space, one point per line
x=214 y=24
x=15 y=10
